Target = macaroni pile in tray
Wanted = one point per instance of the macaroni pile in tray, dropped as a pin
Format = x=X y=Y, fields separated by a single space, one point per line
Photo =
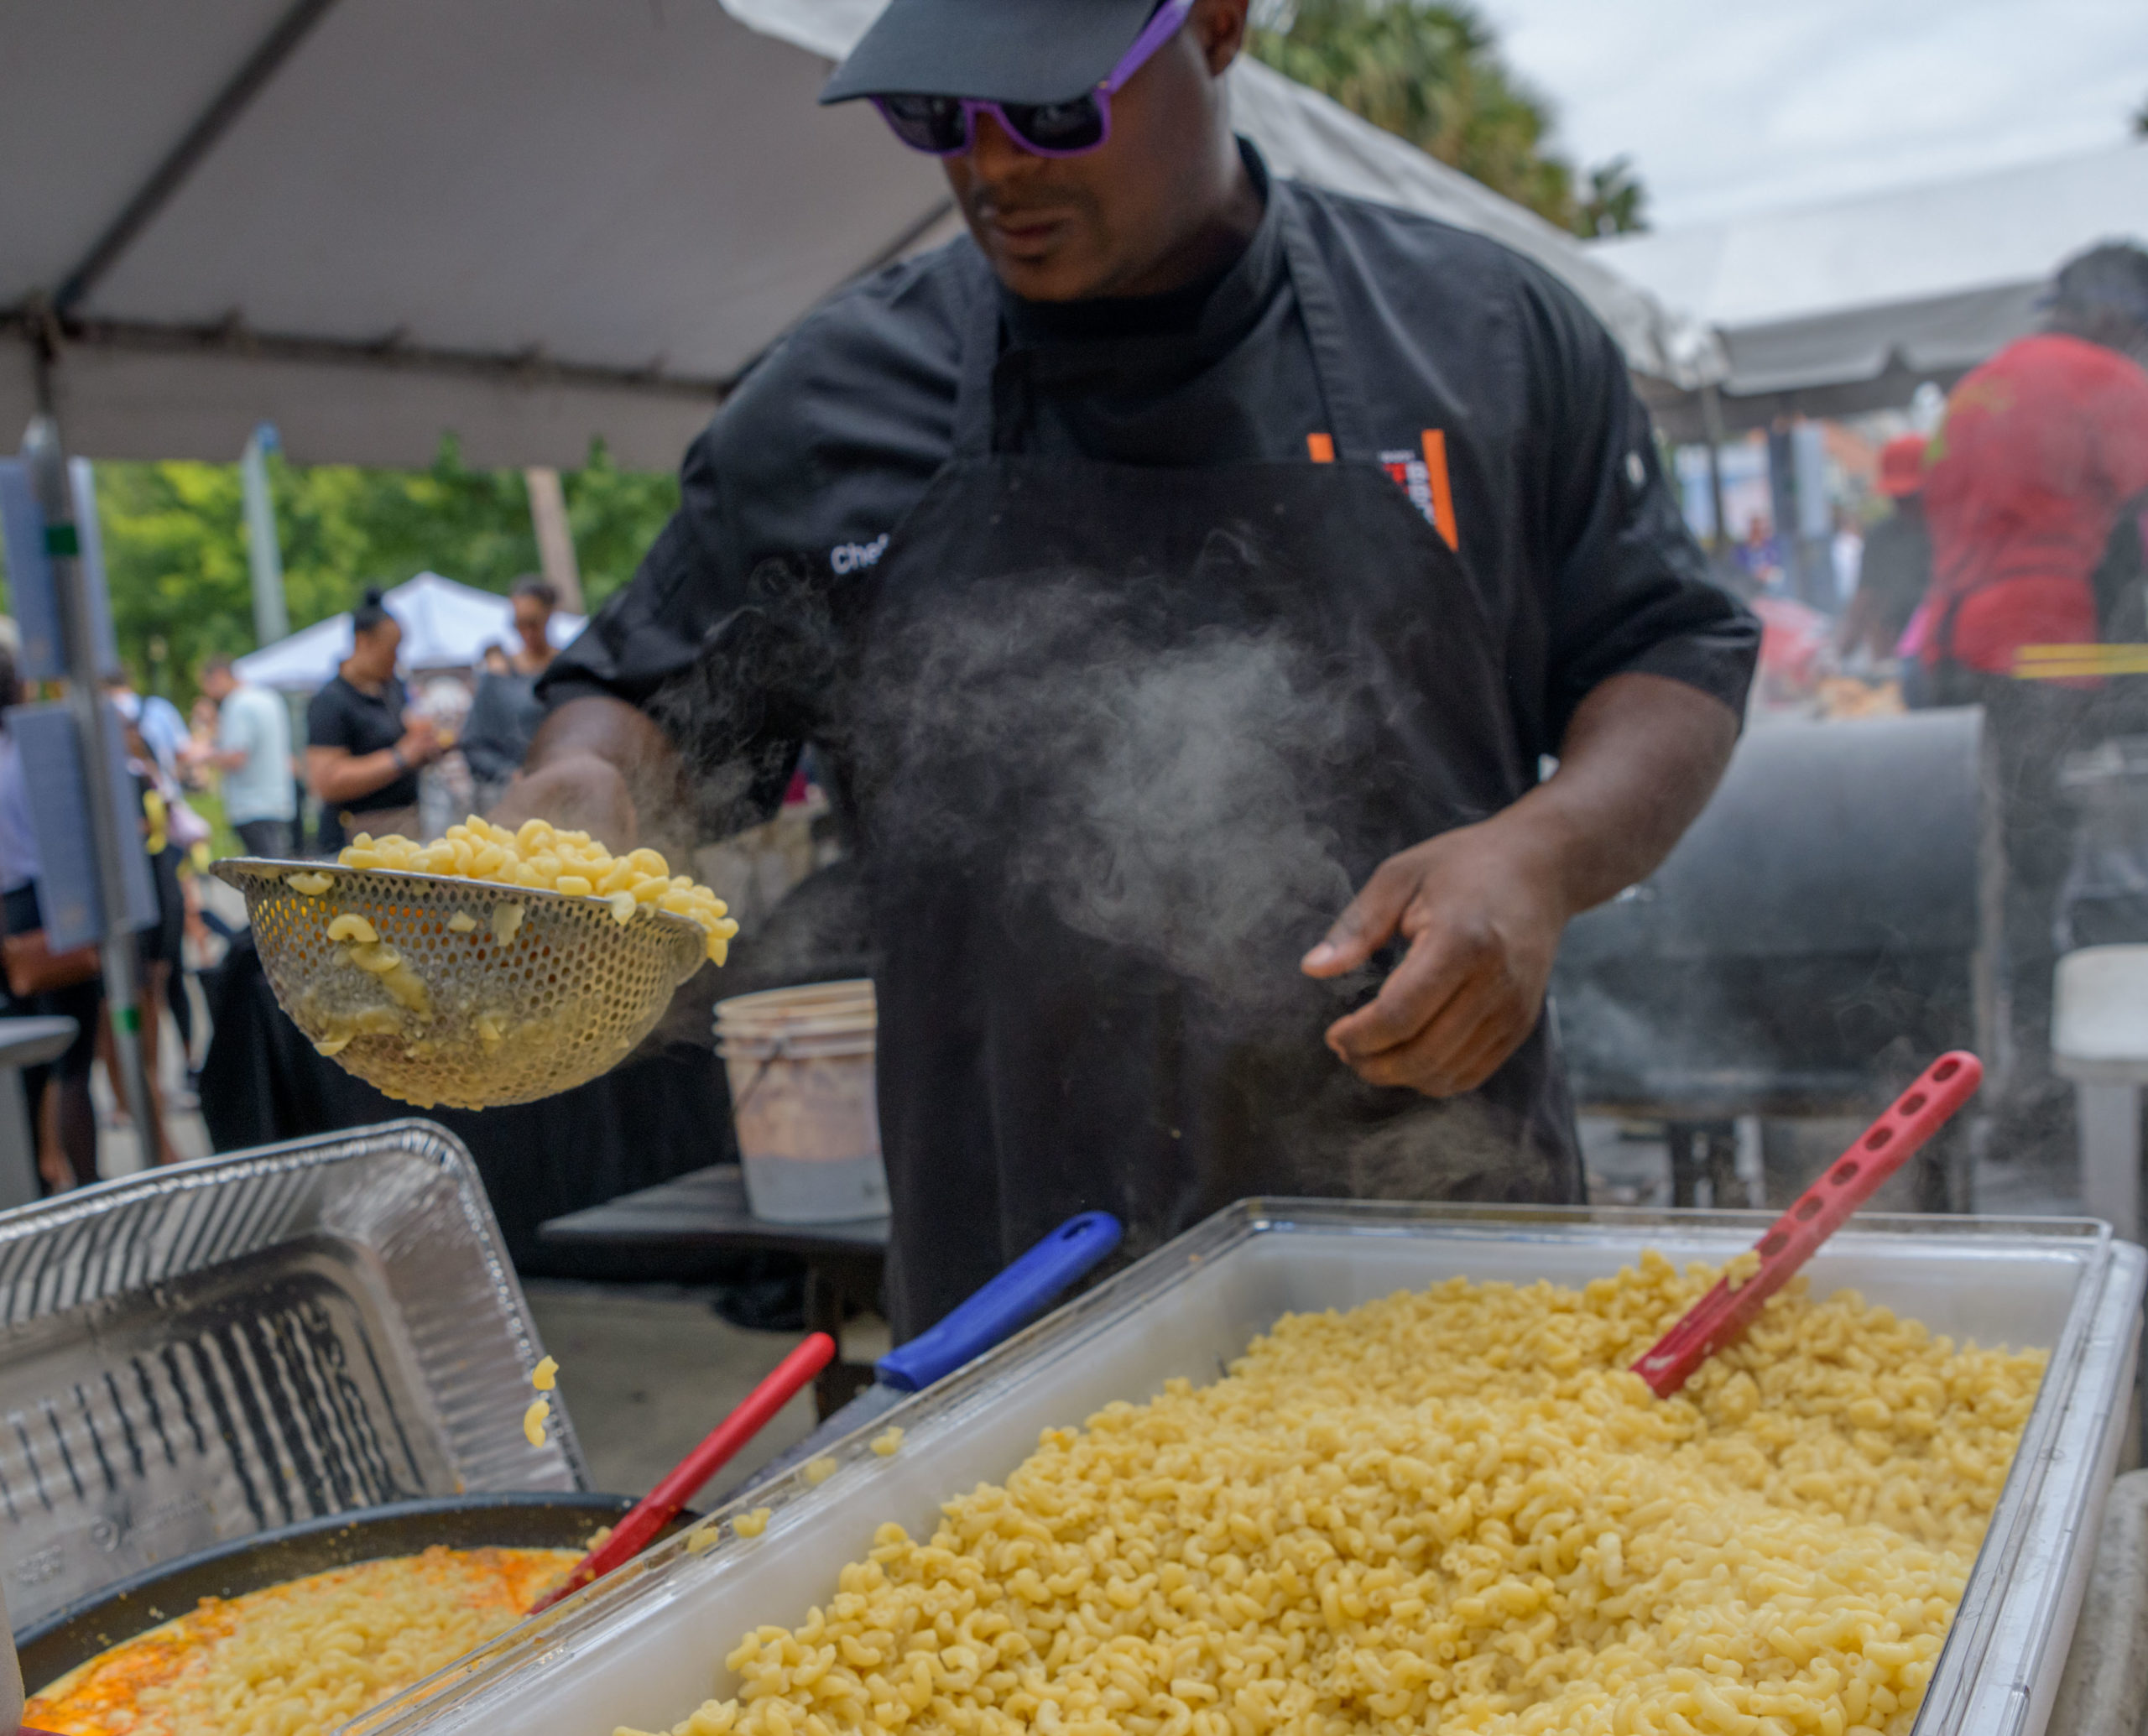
x=1447 y=1511
x=304 y=1656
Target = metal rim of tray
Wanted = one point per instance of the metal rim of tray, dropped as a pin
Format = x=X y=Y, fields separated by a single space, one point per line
x=232 y=870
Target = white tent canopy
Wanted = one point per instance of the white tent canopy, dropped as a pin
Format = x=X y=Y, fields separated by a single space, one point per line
x=371 y=221
x=1872 y=294
x=444 y=626
x=1306 y=136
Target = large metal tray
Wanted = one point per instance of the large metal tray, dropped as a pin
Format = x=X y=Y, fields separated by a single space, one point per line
x=227 y=1346
x=645 y=1645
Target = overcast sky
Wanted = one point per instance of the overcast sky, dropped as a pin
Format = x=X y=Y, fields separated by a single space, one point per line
x=1734 y=106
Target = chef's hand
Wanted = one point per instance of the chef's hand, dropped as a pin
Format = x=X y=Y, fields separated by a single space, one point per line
x=597 y=765
x=421 y=744
x=1482 y=907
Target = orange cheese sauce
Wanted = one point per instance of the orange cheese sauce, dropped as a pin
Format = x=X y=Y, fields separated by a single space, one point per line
x=300 y=1659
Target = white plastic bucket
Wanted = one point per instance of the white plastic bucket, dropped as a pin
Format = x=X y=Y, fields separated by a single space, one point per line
x=803 y=1100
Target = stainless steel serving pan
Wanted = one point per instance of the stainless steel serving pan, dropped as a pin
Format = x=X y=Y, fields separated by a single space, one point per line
x=645 y=1646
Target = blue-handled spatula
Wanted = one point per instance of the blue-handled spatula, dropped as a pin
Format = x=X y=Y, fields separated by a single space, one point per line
x=1008 y=1303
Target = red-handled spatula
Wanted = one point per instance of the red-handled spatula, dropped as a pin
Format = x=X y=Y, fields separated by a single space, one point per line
x=656 y=1509
x=1848 y=1183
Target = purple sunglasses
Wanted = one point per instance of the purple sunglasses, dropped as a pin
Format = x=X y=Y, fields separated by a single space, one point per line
x=945 y=125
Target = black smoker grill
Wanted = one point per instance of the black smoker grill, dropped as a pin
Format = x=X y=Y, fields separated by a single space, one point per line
x=1825 y=929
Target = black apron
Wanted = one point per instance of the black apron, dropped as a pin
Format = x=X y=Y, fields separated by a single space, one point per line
x=1122 y=741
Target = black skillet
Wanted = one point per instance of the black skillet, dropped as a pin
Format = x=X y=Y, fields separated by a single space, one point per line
x=50 y=1648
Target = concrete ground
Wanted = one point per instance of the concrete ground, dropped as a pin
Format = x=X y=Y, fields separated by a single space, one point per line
x=647 y=1370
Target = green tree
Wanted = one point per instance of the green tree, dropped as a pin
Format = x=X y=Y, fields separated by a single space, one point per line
x=1614 y=202
x=615 y=515
x=1431 y=72
x=175 y=556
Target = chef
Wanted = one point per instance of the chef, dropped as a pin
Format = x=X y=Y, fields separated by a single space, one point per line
x=1242 y=625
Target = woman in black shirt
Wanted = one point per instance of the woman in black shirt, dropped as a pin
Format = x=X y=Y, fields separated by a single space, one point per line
x=506 y=713
x=362 y=754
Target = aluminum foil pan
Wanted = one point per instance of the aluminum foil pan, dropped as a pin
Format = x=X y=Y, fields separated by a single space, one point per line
x=227 y=1346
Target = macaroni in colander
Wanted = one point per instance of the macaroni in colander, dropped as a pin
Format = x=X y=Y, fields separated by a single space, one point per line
x=545 y=859
x=1449 y=1511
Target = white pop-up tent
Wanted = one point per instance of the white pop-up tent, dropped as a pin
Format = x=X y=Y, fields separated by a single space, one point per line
x=1306 y=135
x=371 y=221
x=1851 y=305
x=445 y=626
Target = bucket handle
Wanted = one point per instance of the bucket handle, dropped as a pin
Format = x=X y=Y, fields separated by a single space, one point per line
x=778 y=1048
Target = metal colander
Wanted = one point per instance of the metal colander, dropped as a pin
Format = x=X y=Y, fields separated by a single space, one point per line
x=565 y=998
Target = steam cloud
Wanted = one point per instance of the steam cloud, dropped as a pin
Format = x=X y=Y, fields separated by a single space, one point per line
x=1162 y=791
x=1163 y=783
x=1166 y=778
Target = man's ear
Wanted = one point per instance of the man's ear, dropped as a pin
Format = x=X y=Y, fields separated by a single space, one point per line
x=1219 y=26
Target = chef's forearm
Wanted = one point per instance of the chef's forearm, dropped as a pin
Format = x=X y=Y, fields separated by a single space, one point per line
x=1638 y=762
x=601 y=727
x=599 y=765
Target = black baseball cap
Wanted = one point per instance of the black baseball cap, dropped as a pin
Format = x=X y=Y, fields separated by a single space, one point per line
x=993 y=50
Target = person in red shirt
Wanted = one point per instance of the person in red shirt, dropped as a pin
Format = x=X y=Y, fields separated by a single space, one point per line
x=2043 y=449
x=1895 y=571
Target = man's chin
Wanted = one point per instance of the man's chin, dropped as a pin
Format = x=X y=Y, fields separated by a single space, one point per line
x=1059 y=271
x=1051 y=279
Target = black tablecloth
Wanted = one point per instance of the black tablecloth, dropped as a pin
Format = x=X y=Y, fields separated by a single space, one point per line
x=645 y=1122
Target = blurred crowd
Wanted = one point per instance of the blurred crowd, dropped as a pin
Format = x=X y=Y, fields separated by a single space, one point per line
x=2005 y=570
x=2016 y=523
x=376 y=757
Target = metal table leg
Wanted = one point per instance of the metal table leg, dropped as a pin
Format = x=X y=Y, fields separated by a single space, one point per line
x=833 y=1282
x=23 y=1043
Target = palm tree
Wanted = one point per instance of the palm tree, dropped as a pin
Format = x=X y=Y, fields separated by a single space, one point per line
x=1430 y=71
x=1616 y=203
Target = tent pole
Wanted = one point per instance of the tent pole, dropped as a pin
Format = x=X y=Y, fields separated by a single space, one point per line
x=272 y=620
x=548 y=518
x=1712 y=426
x=48 y=466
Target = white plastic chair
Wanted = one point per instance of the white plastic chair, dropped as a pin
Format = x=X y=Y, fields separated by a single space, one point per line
x=2100 y=1040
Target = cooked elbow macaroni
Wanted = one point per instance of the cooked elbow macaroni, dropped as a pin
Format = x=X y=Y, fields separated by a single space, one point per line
x=303 y=1656
x=1449 y=1511
x=540 y=856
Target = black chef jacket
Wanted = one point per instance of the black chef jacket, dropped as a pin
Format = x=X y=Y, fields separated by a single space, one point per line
x=1561 y=510
x=1521 y=549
